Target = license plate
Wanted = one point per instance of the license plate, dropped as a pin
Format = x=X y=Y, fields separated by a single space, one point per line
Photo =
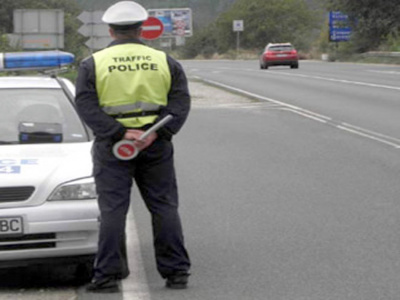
x=281 y=55
x=11 y=225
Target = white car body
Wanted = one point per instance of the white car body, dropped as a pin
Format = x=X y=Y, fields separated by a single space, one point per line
x=34 y=228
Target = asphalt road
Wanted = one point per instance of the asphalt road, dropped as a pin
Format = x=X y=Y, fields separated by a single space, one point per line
x=284 y=199
x=278 y=206
x=360 y=95
x=281 y=198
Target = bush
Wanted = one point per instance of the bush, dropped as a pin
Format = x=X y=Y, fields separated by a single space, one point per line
x=208 y=51
x=393 y=42
x=202 y=43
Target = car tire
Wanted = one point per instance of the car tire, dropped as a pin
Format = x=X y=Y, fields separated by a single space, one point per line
x=84 y=272
x=265 y=66
x=294 y=66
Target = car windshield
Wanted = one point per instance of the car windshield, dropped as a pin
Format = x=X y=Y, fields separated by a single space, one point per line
x=38 y=111
x=281 y=48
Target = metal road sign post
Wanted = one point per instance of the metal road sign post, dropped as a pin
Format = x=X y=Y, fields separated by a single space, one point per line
x=238 y=27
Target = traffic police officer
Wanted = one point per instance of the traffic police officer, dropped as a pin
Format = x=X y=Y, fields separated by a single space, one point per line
x=120 y=92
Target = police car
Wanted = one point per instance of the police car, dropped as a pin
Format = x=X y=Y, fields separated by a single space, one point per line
x=48 y=207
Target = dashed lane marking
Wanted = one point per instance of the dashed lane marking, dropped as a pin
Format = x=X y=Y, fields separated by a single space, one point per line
x=243 y=105
x=338 y=80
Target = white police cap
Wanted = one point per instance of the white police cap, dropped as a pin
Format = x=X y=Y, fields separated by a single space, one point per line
x=125 y=13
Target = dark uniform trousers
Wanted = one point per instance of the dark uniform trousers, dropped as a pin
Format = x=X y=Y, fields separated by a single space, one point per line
x=154 y=174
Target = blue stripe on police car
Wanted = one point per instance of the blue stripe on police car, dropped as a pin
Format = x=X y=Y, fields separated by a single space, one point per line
x=13 y=166
x=10 y=169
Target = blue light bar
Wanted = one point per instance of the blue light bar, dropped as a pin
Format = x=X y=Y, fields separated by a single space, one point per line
x=35 y=60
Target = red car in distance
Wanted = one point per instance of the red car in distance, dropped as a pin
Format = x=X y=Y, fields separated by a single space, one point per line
x=283 y=54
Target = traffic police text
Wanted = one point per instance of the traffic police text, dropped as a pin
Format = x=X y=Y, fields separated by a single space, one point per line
x=142 y=63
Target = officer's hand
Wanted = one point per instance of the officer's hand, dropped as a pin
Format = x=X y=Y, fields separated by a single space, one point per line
x=143 y=144
x=134 y=134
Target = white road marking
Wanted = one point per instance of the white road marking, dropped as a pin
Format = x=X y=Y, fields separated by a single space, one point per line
x=379 y=137
x=384 y=72
x=236 y=105
x=310 y=116
x=320 y=77
x=338 y=80
x=252 y=95
x=372 y=132
x=135 y=287
x=397 y=146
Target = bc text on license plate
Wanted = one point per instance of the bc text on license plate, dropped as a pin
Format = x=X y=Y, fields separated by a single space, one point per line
x=11 y=225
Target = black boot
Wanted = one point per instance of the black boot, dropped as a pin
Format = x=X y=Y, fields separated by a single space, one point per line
x=106 y=285
x=177 y=281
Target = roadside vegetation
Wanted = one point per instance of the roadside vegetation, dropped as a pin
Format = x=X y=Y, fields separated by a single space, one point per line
x=264 y=22
x=304 y=23
x=73 y=41
x=375 y=27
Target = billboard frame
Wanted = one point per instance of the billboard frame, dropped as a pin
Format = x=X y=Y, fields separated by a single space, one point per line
x=178 y=22
x=37 y=29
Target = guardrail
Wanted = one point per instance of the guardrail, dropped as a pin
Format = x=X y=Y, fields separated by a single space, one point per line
x=381 y=54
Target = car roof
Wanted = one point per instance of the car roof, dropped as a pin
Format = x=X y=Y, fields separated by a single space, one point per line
x=279 y=44
x=28 y=82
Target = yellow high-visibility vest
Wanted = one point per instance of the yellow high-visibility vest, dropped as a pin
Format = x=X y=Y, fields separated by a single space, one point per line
x=132 y=78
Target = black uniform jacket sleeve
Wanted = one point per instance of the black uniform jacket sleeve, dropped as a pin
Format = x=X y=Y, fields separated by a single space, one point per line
x=87 y=103
x=104 y=126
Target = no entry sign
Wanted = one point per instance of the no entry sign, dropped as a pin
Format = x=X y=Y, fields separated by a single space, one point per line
x=152 y=28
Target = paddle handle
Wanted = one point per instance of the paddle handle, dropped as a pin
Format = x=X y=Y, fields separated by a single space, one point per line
x=156 y=126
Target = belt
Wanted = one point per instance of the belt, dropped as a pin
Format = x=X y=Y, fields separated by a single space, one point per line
x=136 y=114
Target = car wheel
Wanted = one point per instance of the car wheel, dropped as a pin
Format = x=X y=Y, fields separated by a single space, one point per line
x=294 y=66
x=265 y=66
x=84 y=272
x=261 y=66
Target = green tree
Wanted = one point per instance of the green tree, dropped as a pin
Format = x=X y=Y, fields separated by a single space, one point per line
x=73 y=40
x=267 y=21
x=203 y=43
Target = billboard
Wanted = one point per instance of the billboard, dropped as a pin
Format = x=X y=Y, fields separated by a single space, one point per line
x=177 y=21
x=39 y=28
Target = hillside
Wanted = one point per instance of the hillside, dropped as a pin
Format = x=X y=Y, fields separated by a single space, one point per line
x=203 y=11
